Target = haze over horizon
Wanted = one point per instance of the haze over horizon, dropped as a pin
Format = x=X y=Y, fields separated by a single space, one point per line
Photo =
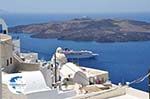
x=75 y=6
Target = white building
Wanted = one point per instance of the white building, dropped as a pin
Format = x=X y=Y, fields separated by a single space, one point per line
x=3 y=27
x=6 y=53
x=83 y=75
x=72 y=71
x=34 y=87
x=3 y=30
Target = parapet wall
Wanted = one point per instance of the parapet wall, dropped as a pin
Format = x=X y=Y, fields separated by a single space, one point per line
x=29 y=66
x=117 y=91
x=22 y=66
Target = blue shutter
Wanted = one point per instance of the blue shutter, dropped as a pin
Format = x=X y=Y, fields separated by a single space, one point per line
x=1 y=29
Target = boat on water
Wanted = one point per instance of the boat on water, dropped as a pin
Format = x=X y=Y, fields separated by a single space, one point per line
x=72 y=54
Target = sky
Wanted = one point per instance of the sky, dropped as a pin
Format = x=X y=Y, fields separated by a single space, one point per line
x=75 y=6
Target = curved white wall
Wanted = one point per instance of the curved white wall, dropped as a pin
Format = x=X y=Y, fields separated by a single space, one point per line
x=4 y=26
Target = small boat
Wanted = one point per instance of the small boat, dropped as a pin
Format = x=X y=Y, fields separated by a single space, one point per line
x=72 y=54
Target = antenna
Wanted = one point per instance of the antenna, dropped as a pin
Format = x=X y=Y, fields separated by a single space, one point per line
x=55 y=68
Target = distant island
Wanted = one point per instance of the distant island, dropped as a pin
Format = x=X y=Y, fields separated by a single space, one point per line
x=87 y=29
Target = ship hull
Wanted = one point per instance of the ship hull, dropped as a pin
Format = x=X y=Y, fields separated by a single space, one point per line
x=70 y=56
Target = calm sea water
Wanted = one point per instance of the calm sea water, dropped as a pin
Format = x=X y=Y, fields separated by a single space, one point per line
x=124 y=61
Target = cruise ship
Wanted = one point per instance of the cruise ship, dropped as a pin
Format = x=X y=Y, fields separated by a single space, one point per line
x=72 y=54
x=24 y=76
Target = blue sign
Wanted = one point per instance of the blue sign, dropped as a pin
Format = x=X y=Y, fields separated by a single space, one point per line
x=16 y=84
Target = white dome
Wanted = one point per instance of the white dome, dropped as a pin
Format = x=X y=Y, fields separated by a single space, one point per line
x=59 y=50
x=60 y=58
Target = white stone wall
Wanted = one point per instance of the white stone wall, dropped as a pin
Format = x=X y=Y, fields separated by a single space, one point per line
x=48 y=75
x=118 y=91
x=51 y=94
x=6 y=54
x=29 y=66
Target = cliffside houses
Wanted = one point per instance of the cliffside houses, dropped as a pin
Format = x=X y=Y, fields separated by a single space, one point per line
x=24 y=76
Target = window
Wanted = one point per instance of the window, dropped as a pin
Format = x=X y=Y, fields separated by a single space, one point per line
x=7 y=62
x=11 y=61
x=5 y=32
x=1 y=29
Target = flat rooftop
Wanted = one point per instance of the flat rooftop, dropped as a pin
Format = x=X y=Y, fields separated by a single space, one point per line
x=34 y=81
x=93 y=72
x=132 y=93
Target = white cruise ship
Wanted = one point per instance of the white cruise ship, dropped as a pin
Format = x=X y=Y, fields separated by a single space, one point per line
x=72 y=54
x=23 y=76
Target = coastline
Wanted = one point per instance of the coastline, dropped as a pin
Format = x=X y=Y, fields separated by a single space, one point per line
x=87 y=29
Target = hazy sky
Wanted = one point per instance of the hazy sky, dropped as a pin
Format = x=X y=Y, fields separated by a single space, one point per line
x=75 y=6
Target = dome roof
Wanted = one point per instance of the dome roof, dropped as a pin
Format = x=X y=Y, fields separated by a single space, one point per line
x=59 y=50
x=60 y=58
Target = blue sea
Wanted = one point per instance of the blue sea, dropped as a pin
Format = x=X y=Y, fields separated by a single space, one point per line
x=125 y=61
